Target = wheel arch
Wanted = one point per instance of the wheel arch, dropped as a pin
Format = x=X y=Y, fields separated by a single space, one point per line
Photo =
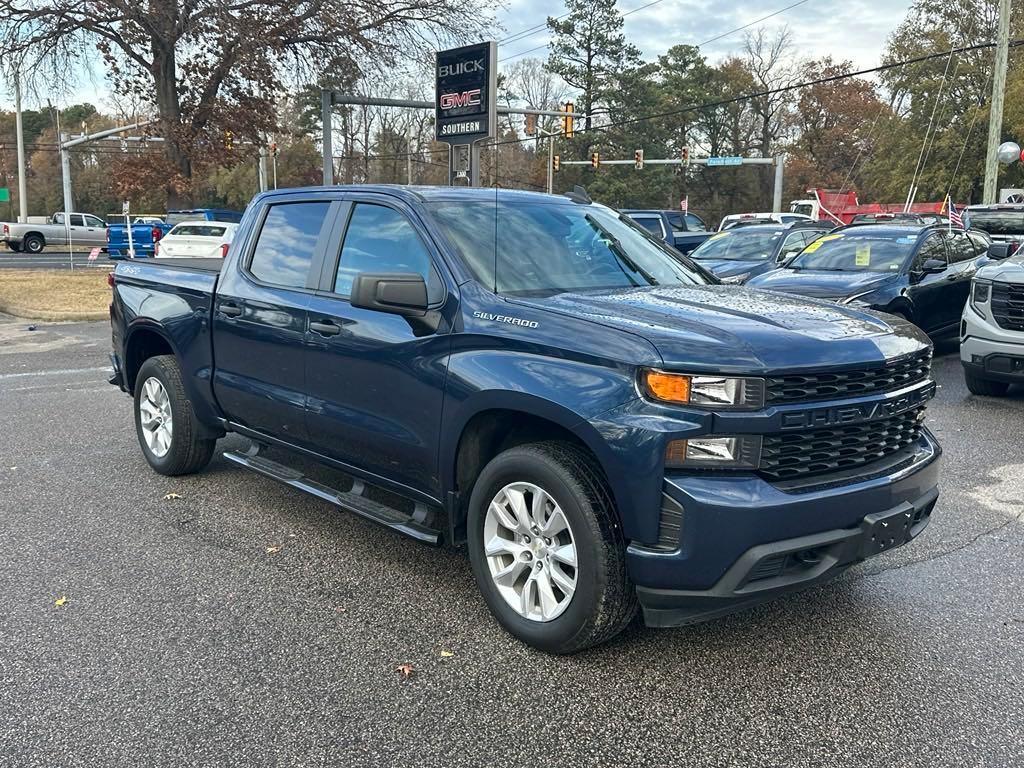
x=509 y=419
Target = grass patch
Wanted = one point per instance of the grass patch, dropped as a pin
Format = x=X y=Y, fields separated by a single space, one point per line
x=54 y=295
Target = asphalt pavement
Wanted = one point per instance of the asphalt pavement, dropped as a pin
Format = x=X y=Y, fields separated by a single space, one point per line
x=224 y=620
x=53 y=260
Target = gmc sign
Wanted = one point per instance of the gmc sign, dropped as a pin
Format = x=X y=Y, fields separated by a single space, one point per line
x=465 y=96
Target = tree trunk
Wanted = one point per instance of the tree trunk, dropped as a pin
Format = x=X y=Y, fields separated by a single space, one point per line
x=169 y=113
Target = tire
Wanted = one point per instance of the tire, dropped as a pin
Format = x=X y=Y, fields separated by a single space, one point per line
x=985 y=387
x=603 y=601
x=178 y=450
x=33 y=243
x=16 y=247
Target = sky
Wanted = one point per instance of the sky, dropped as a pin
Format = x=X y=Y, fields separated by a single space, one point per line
x=845 y=29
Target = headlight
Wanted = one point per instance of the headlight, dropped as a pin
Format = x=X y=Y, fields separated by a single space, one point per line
x=733 y=452
x=981 y=292
x=702 y=390
x=735 y=279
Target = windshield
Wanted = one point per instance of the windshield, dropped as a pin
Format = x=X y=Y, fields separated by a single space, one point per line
x=844 y=253
x=739 y=244
x=998 y=222
x=544 y=248
x=804 y=208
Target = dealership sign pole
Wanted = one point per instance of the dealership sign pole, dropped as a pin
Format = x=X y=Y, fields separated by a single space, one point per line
x=466 y=106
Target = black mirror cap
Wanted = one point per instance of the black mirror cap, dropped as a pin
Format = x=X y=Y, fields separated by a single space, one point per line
x=933 y=266
x=398 y=293
x=1000 y=250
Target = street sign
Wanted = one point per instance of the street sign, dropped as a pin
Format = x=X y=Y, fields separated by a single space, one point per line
x=466 y=93
x=5 y=195
x=94 y=254
x=125 y=207
x=725 y=161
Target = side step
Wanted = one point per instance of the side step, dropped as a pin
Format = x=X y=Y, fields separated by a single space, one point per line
x=351 y=501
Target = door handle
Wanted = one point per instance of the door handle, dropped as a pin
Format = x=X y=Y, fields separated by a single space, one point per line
x=231 y=310
x=326 y=328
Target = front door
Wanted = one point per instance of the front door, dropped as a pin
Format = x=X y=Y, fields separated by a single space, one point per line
x=963 y=263
x=259 y=323
x=376 y=380
x=930 y=292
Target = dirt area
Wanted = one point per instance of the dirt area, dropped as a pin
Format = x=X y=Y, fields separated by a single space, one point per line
x=52 y=295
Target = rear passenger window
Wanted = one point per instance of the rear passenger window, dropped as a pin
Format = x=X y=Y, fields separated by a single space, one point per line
x=380 y=239
x=960 y=249
x=286 y=243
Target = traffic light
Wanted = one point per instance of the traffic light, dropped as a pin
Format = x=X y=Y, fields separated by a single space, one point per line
x=595 y=159
x=273 y=148
x=556 y=163
x=531 y=124
x=228 y=141
x=567 y=120
x=638 y=159
x=686 y=156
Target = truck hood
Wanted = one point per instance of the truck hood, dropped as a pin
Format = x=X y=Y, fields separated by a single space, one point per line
x=1008 y=270
x=821 y=284
x=731 y=329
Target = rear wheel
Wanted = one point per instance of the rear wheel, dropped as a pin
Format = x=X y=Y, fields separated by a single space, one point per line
x=16 y=247
x=165 y=422
x=33 y=243
x=547 y=550
x=985 y=387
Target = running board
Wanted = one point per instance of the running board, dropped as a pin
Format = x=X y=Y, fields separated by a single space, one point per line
x=351 y=501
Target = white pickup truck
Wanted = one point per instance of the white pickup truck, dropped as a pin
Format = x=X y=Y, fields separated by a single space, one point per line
x=84 y=228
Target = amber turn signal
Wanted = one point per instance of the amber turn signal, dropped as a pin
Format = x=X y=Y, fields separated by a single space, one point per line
x=668 y=387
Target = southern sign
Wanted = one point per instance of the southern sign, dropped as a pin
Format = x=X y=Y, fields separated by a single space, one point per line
x=466 y=93
x=5 y=195
x=725 y=161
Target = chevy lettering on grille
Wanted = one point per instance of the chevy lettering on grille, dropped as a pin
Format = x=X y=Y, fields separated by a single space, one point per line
x=851 y=414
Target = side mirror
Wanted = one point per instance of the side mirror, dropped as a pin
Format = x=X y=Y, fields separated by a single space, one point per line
x=933 y=267
x=397 y=293
x=999 y=250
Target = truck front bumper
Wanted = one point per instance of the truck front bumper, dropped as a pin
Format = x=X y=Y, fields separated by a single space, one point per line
x=989 y=351
x=743 y=541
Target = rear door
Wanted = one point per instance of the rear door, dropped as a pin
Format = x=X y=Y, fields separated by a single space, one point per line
x=260 y=317
x=94 y=230
x=376 y=380
x=963 y=263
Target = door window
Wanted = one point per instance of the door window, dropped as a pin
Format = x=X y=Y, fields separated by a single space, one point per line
x=980 y=243
x=284 y=249
x=934 y=248
x=77 y=220
x=694 y=222
x=92 y=221
x=960 y=249
x=380 y=239
x=651 y=223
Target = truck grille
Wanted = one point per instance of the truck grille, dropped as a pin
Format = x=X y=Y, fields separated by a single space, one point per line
x=819 y=451
x=1008 y=306
x=799 y=388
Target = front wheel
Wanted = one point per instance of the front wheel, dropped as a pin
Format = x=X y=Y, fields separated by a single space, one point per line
x=166 y=426
x=985 y=387
x=547 y=549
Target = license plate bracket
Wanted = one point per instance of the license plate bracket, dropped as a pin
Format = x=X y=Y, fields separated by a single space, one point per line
x=886 y=530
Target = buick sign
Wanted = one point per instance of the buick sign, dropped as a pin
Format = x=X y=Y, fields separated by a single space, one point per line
x=465 y=98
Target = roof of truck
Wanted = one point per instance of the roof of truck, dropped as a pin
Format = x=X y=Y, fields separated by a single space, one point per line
x=418 y=193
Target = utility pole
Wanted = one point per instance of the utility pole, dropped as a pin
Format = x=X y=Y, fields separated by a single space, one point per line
x=995 y=120
x=261 y=169
x=22 y=182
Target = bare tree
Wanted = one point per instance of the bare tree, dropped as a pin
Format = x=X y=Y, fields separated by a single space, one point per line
x=212 y=67
x=772 y=65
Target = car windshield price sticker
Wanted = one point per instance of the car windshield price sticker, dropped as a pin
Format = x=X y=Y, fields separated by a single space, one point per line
x=863 y=257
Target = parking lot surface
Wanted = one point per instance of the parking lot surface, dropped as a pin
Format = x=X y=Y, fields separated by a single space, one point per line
x=222 y=619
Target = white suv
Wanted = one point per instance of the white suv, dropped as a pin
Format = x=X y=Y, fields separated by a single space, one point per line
x=992 y=329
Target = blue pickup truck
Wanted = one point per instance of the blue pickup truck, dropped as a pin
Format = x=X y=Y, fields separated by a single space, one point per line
x=148 y=230
x=540 y=379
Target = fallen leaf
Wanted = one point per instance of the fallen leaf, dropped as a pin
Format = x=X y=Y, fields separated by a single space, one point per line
x=60 y=601
x=405 y=670
x=170 y=496
x=272 y=550
x=446 y=654
x=340 y=609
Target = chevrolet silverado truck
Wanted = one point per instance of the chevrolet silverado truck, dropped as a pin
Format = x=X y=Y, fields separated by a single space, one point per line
x=539 y=379
x=84 y=229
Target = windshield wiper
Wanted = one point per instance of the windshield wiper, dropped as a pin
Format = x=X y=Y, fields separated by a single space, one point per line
x=616 y=247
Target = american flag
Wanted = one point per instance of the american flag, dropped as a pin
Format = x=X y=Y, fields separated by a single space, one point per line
x=955 y=219
x=684 y=204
